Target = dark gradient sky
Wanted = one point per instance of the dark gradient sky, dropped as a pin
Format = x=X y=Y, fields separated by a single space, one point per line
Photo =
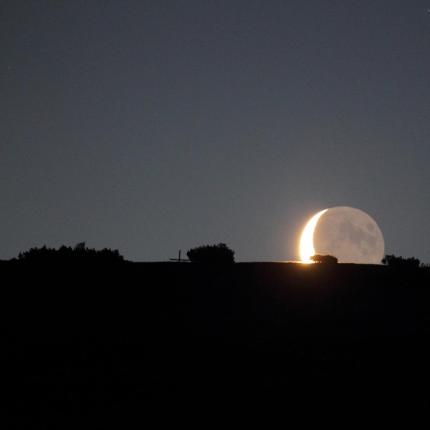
x=150 y=126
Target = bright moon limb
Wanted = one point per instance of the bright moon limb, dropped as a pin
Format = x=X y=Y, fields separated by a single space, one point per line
x=306 y=247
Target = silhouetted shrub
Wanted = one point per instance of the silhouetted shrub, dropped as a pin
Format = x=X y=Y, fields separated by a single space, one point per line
x=220 y=253
x=401 y=262
x=324 y=259
x=68 y=254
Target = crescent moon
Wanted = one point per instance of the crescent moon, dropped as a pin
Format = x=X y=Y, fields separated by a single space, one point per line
x=306 y=246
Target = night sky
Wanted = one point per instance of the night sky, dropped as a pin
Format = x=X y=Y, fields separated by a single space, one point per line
x=150 y=126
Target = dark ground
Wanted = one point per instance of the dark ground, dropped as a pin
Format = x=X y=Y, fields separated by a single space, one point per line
x=102 y=345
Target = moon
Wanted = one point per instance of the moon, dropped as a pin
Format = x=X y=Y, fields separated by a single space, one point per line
x=349 y=234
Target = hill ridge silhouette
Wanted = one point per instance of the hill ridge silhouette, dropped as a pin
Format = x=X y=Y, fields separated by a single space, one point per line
x=182 y=329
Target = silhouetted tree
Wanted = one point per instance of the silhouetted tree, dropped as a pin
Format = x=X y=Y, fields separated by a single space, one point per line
x=220 y=253
x=67 y=254
x=401 y=262
x=80 y=246
x=324 y=259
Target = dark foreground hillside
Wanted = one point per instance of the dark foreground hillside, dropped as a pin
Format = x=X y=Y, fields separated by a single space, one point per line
x=102 y=344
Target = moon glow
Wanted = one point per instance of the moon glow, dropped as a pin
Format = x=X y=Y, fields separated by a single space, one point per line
x=349 y=234
x=307 y=238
